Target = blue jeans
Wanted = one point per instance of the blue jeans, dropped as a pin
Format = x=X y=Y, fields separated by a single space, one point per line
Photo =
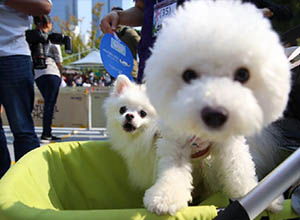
x=17 y=97
x=49 y=88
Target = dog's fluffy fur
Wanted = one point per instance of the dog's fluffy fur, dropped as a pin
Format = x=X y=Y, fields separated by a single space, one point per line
x=217 y=72
x=131 y=125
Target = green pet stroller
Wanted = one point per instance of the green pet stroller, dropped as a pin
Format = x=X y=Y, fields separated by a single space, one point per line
x=87 y=181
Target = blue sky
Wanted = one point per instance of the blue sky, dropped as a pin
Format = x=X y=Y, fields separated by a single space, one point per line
x=128 y=4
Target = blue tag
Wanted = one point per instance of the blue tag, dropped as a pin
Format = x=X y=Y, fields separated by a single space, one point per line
x=116 y=56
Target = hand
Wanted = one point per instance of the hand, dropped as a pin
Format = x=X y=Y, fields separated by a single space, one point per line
x=267 y=12
x=109 y=22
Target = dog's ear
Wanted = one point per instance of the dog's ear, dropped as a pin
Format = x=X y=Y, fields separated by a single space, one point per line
x=121 y=83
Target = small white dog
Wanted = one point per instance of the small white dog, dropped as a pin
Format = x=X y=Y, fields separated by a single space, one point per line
x=217 y=73
x=131 y=125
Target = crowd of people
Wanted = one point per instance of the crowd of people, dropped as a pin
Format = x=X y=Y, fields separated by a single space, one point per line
x=87 y=80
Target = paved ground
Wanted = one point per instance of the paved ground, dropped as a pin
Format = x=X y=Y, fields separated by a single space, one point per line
x=67 y=134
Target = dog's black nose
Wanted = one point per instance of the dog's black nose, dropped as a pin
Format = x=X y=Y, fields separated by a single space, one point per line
x=129 y=117
x=214 y=117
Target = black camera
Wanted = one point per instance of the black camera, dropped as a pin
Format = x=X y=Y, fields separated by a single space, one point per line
x=37 y=40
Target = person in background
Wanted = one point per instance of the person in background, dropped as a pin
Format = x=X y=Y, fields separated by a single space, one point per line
x=63 y=82
x=48 y=80
x=78 y=80
x=91 y=77
x=131 y=38
x=107 y=79
x=16 y=78
x=139 y=15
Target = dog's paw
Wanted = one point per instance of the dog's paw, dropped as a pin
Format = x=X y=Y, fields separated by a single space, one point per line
x=165 y=201
x=277 y=205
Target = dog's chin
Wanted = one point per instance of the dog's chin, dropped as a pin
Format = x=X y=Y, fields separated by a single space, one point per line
x=128 y=127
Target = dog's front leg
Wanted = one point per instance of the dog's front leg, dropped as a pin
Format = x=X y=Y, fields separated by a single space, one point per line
x=236 y=170
x=172 y=189
x=234 y=167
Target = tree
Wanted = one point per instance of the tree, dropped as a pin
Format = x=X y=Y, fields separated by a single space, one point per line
x=94 y=40
x=67 y=28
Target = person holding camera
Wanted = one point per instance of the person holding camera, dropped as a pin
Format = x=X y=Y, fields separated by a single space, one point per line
x=48 y=79
x=16 y=78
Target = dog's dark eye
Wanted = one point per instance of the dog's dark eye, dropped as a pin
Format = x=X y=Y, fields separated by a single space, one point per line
x=242 y=75
x=123 y=109
x=143 y=114
x=189 y=75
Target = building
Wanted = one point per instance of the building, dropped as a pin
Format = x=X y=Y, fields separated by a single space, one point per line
x=82 y=10
x=63 y=10
x=85 y=16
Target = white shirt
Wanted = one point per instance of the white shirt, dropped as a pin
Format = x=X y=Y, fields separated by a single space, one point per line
x=53 y=54
x=13 y=25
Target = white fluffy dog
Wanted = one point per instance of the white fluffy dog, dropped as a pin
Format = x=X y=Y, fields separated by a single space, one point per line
x=131 y=125
x=217 y=72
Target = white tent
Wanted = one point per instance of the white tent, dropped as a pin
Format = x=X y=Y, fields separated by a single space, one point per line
x=93 y=59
